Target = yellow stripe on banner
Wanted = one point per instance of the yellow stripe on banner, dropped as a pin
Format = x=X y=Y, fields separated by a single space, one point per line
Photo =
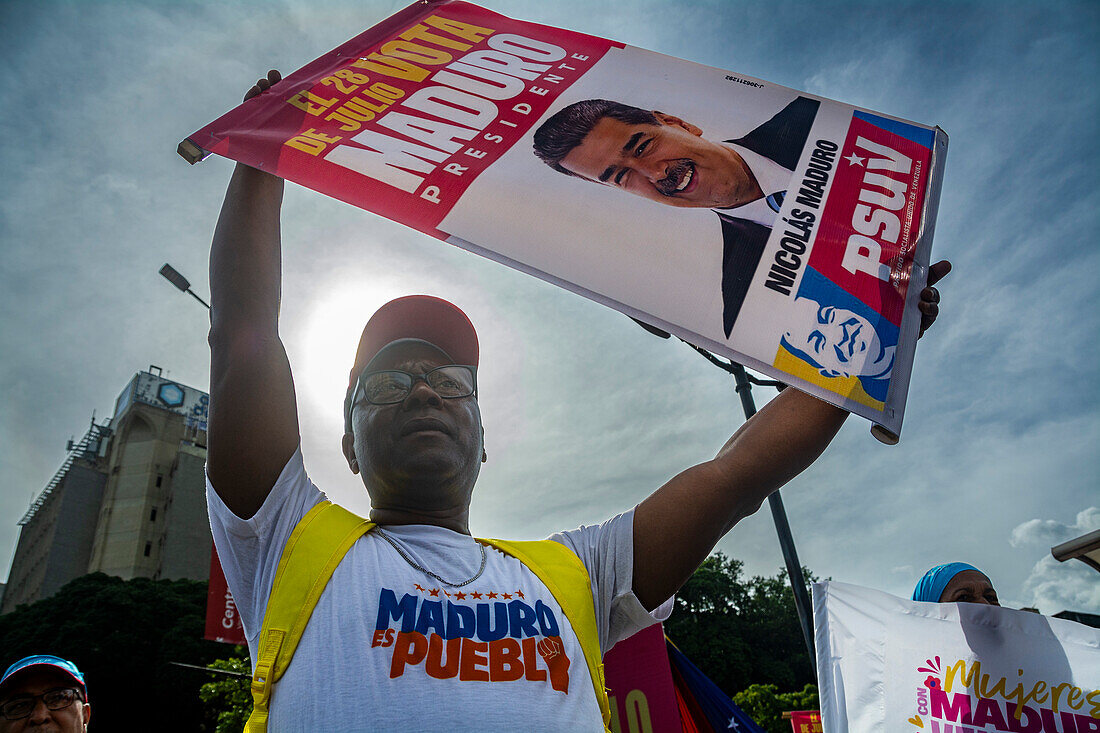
x=849 y=387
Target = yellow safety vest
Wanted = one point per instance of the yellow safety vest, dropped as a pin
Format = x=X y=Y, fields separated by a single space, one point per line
x=318 y=544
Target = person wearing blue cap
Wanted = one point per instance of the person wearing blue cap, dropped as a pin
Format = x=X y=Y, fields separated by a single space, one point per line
x=956 y=582
x=44 y=692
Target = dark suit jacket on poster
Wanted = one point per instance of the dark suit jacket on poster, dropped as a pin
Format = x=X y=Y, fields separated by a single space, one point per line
x=781 y=139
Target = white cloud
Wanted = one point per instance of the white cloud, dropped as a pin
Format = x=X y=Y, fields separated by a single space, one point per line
x=1054 y=586
x=1062 y=586
x=1051 y=532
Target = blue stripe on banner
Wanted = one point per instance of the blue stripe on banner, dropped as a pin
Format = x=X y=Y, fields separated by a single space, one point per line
x=919 y=135
x=720 y=710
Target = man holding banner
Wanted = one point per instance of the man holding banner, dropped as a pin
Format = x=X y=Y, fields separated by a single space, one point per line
x=420 y=623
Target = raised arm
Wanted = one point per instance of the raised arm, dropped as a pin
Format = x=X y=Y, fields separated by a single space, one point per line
x=253 y=426
x=679 y=524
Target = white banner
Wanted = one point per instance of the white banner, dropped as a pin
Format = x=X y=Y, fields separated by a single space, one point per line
x=788 y=232
x=888 y=664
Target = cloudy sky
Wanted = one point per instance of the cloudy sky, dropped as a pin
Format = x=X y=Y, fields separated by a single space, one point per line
x=585 y=413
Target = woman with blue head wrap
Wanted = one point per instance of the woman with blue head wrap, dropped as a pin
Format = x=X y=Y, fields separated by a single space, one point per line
x=956 y=582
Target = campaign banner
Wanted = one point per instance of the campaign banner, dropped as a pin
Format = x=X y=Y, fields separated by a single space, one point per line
x=223 y=622
x=805 y=721
x=888 y=664
x=785 y=231
x=639 y=683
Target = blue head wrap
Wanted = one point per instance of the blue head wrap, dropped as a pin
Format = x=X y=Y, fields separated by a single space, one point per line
x=931 y=586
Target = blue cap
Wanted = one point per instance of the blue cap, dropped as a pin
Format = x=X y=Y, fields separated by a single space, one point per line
x=46 y=660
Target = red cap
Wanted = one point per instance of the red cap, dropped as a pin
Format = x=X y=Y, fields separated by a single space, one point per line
x=424 y=317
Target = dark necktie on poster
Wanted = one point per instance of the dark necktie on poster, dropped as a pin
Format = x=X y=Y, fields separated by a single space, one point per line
x=775 y=201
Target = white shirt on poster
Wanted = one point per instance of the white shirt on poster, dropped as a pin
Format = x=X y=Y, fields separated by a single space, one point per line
x=770 y=176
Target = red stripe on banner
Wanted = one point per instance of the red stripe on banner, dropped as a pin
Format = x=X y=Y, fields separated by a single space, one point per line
x=878 y=191
x=687 y=723
x=223 y=623
x=692 y=717
x=404 y=117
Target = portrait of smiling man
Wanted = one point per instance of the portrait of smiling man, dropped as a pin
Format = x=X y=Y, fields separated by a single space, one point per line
x=418 y=625
x=663 y=158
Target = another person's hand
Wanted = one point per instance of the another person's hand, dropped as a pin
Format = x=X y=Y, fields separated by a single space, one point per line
x=930 y=297
x=273 y=77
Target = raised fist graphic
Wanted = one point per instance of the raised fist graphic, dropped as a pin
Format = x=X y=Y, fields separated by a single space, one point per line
x=553 y=653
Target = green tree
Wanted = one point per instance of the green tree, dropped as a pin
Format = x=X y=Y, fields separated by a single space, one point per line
x=228 y=698
x=740 y=631
x=124 y=635
x=766 y=705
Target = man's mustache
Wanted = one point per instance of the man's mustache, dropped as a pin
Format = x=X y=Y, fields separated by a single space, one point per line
x=674 y=174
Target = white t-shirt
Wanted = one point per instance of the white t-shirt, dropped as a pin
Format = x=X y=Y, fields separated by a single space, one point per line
x=387 y=645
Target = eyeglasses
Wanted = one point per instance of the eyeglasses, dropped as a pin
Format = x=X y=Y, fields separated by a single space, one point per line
x=391 y=386
x=21 y=707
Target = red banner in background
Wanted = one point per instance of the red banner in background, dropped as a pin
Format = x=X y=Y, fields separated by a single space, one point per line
x=640 y=682
x=223 y=623
x=806 y=721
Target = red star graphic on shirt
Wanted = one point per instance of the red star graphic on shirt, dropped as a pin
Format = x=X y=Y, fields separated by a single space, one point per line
x=475 y=595
x=460 y=596
x=520 y=593
x=433 y=592
x=419 y=587
x=490 y=595
x=506 y=596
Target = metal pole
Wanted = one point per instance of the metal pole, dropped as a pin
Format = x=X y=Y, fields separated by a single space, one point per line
x=779 y=515
x=214 y=670
x=196 y=297
x=783 y=529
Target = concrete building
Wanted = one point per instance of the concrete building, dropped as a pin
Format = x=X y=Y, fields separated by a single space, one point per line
x=129 y=500
x=56 y=540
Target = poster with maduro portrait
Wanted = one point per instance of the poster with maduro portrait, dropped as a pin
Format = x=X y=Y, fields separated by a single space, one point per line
x=889 y=664
x=785 y=231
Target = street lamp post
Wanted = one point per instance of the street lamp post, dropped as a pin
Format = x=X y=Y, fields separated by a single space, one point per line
x=171 y=275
